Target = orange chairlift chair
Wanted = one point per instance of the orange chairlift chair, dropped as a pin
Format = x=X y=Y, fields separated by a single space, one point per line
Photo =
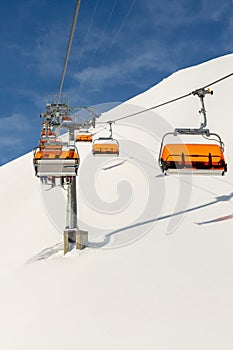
x=195 y=158
x=46 y=129
x=84 y=135
x=67 y=118
x=106 y=145
x=56 y=159
x=49 y=133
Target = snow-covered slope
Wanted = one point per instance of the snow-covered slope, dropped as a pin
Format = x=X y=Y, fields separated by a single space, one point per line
x=158 y=272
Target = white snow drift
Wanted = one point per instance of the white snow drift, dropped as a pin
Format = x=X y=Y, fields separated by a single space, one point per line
x=158 y=272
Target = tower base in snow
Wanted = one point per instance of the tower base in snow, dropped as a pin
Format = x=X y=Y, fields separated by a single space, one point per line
x=71 y=236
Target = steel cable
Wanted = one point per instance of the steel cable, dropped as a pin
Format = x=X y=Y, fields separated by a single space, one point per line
x=68 y=49
x=167 y=102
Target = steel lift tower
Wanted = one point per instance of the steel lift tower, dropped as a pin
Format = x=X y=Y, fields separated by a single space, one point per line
x=55 y=114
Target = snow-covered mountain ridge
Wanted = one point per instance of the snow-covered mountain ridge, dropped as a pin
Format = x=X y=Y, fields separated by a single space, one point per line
x=167 y=284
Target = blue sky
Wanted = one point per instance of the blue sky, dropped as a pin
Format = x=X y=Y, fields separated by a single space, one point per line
x=120 y=49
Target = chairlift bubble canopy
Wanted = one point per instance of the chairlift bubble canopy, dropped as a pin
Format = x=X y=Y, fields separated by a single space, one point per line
x=206 y=159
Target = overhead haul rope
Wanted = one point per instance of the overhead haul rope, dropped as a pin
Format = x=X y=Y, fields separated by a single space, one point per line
x=80 y=89
x=84 y=84
x=103 y=33
x=119 y=30
x=87 y=35
x=69 y=48
x=167 y=102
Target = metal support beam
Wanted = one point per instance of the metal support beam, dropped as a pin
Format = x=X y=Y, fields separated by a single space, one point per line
x=72 y=234
x=73 y=204
x=81 y=239
x=71 y=215
x=201 y=94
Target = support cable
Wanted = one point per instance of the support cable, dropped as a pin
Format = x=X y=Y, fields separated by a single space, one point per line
x=98 y=45
x=87 y=35
x=119 y=30
x=103 y=33
x=167 y=102
x=69 y=48
x=217 y=81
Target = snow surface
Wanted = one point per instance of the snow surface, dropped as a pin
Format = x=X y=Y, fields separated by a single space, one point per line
x=158 y=272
